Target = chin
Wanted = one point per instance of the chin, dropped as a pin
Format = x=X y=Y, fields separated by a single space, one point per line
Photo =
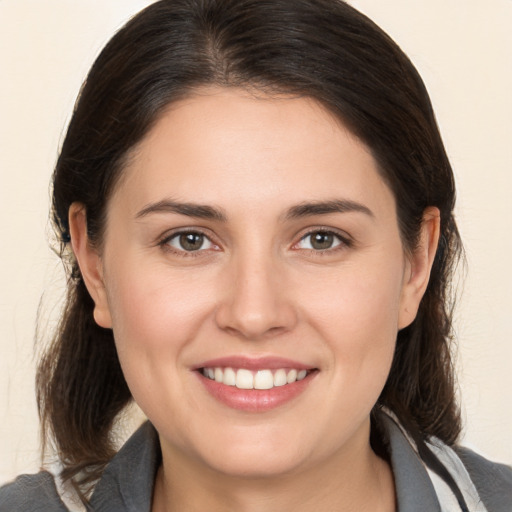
x=256 y=464
x=258 y=452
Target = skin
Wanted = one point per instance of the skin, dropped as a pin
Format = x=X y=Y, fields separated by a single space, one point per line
x=257 y=287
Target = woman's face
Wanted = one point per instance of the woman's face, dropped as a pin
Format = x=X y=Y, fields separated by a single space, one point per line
x=252 y=240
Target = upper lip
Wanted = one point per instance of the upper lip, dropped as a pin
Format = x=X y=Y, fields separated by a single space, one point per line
x=253 y=363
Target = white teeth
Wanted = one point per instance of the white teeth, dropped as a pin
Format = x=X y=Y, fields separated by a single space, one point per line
x=291 y=376
x=244 y=379
x=261 y=379
x=229 y=377
x=280 y=378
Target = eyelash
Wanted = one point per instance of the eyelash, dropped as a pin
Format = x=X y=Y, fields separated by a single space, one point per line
x=343 y=242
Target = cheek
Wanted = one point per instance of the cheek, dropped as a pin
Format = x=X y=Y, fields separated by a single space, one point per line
x=152 y=305
x=356 y=314
x=155 y=317
x=358 y=303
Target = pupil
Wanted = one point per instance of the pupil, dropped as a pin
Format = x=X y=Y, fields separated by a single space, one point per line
x=191 y=241
x=322 y=240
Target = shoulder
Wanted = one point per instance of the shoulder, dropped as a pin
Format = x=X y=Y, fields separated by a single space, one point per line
x=484 y=485
x=492 y=480
x=31 y=493
x=126 y=483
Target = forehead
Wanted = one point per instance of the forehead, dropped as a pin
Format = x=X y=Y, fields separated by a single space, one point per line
x=228 y=145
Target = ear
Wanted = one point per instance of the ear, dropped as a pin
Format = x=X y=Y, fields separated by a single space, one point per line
x=418 y=267
x=90 y=264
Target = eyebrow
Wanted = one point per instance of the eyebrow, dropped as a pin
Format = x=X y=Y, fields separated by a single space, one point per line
x=200 y=211
x=326 y=207
x=306 y=209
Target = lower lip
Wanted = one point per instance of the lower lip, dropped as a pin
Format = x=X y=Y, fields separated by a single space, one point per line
x=255 y=400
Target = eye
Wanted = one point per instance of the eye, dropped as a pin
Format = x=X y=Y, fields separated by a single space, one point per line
x=320 y=241
x=189 y=241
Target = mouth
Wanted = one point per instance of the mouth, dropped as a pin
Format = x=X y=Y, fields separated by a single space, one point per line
x=243 y=378
x=255 y=385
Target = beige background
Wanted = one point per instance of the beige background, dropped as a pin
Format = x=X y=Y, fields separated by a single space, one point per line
x=463 y=49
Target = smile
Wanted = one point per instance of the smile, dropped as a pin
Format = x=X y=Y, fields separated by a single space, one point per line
x=243 y=378
x=255 y=385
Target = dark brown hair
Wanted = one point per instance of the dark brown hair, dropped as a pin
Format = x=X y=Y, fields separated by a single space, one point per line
x=322 y=49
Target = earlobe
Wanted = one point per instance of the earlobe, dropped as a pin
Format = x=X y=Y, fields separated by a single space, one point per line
x=419 y=265
x=90 y=264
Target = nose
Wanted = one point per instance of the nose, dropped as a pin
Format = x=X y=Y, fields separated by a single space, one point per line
x=254 y=303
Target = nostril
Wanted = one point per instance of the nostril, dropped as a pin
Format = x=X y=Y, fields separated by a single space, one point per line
x=254 y=304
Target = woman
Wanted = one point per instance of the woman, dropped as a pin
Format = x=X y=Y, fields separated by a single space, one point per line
x=257 y=209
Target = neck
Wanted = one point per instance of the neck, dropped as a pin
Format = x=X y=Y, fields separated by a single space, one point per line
x=345 y=482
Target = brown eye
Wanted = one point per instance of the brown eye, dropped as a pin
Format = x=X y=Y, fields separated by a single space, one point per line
x=189 y=241
x=319 y=241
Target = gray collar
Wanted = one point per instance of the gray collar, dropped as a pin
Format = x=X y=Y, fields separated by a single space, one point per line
x=126 y=485
x=414 y=489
